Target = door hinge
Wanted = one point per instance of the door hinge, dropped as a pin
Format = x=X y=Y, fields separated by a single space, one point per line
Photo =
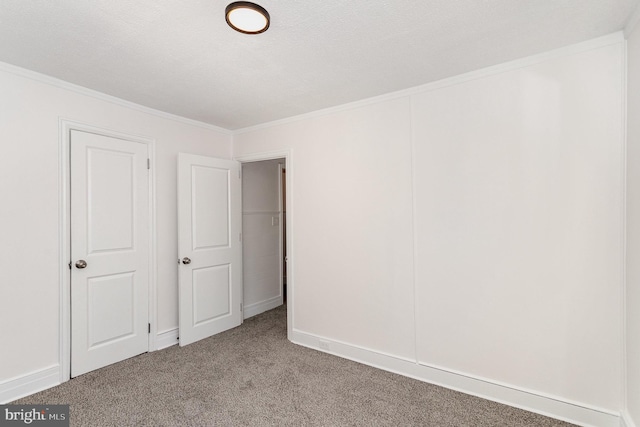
x=149 y=330
x=148 y=163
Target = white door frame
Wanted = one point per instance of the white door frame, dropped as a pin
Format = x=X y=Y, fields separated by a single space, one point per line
x=64 y=234
x=288 y=156
x=281 y=227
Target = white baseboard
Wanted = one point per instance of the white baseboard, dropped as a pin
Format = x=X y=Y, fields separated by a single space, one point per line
x=626 y=421
x=550 y=406
x=24 y=385
x=262 y=306
x=166 y=338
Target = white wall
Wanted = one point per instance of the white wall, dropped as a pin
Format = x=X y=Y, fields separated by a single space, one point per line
x=29 y=258
x=517 y=185
x=519 y=201
x=261 y=219
x=350 y=209
x=633 y=227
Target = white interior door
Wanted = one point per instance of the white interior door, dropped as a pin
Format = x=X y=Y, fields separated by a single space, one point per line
x=209 y=246
x=109 y=250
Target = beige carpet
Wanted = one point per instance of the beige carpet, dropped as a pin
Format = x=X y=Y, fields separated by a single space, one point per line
x=253 y=376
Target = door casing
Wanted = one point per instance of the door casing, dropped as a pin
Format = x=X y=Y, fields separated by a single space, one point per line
x=64 y=235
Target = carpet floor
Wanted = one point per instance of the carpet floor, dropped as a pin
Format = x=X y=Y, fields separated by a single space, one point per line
x=253 y=376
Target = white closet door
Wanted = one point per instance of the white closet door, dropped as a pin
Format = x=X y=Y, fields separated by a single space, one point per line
x=209 y=246
x=109 y=250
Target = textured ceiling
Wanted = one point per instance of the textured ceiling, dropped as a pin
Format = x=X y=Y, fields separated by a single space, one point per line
x=181 y=57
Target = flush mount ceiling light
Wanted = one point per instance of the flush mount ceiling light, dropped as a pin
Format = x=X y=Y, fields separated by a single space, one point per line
x=247 y=17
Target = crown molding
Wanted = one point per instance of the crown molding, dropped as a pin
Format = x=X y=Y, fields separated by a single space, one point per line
x=610 y=39
x=62 y=84
x=496 y=69
x=625 y=420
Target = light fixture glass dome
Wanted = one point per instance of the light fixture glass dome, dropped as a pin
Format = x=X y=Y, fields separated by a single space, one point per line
x=247 y=17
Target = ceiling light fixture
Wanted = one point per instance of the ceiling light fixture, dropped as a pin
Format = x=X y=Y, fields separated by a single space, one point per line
x=247 y=17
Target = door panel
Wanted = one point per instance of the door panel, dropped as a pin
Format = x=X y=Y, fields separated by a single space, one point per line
x=211 y=292
x=111 y=216
x=112 y=301
x=109 y=231
x=209 y=225
x=210 y=207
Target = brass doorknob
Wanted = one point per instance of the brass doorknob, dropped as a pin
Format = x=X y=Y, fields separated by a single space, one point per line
x=81 y=264
x=186 y=260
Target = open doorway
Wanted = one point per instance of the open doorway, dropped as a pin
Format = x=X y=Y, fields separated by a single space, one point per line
x=264 y=238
